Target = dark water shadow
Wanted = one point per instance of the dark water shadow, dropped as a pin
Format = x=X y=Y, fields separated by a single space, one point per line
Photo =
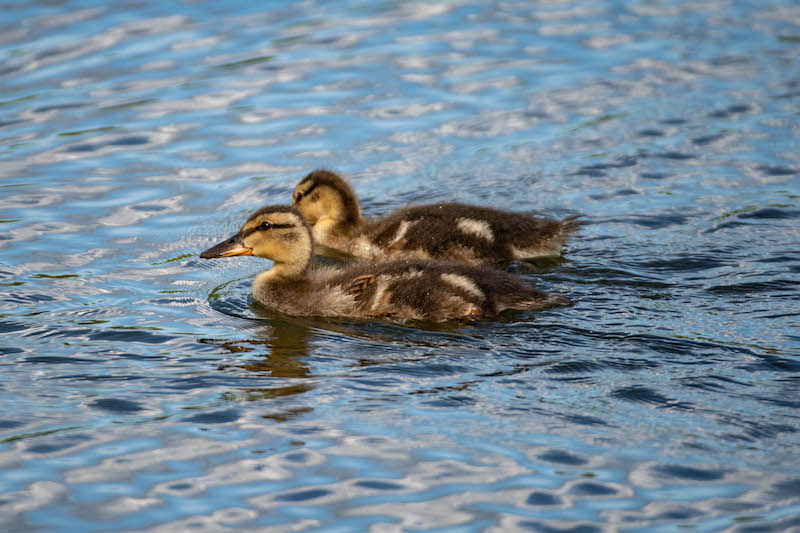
x=282 y=345
x=378 y=331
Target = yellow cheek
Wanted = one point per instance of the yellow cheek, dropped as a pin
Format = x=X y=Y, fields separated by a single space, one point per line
x=268 y=250
x=310 y=211
x=306 y=213
x=254 y=243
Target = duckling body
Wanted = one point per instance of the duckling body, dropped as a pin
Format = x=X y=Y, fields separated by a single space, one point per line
x=402 y=289
x=449 y=231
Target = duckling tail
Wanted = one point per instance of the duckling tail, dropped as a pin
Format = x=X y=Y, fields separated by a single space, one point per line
x=542 y=301
x=557 y=300
x=570 y=225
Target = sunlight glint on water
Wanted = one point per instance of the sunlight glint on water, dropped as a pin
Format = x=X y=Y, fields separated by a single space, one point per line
x=144 y=390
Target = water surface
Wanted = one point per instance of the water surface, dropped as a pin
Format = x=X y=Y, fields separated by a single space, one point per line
x=143 y=390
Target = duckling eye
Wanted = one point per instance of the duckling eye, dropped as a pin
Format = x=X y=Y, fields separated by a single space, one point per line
x=298 y=197
x=264 y=226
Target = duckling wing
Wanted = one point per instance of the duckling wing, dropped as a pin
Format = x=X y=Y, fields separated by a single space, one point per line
x=433 y=290
x=441 y=231
x=360 y=284
x=468 y=234
x=500 y=235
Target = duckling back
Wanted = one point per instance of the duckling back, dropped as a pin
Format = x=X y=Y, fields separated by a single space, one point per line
x=407 y=289
x=448 y=231
x=468 y=234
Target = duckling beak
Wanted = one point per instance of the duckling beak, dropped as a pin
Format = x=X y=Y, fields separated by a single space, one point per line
x=233 y=246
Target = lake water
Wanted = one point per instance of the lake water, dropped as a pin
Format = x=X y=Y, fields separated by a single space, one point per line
x=142 y=390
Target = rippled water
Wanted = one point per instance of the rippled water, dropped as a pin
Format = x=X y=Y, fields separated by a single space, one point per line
x=142 y=390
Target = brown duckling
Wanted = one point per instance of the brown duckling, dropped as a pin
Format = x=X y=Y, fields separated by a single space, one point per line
x=403 y=289
x=449 y=231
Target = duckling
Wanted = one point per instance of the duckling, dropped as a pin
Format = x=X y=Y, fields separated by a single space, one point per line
x=402 y=289
x=450 y=231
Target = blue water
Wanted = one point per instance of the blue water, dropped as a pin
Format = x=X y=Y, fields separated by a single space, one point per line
x=143 y=390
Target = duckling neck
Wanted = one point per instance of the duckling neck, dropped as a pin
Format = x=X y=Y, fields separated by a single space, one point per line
x=347 y=213
x=282 y=289
x=329 y=228
x=282 y=272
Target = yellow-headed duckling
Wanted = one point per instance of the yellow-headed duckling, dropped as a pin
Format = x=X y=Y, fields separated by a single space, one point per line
x=448 y=231
x=401 y=289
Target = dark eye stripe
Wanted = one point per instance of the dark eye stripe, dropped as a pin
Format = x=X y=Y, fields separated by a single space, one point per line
x=250 y=231
x=308 y=191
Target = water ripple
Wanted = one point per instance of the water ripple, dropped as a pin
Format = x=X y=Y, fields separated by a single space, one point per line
x=143 y=389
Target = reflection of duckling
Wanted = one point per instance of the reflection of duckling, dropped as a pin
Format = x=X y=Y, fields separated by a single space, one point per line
x=455 y=232
x=408 y=289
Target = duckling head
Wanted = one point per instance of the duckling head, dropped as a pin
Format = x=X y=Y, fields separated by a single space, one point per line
x=324 y=197
x=275 y=232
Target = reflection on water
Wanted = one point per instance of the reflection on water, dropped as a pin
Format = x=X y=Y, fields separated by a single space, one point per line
x=282 y=351
x=142 y=389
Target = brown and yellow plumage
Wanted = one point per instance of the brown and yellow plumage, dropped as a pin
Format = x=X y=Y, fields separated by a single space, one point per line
x=449 y=231
x=403 y=289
